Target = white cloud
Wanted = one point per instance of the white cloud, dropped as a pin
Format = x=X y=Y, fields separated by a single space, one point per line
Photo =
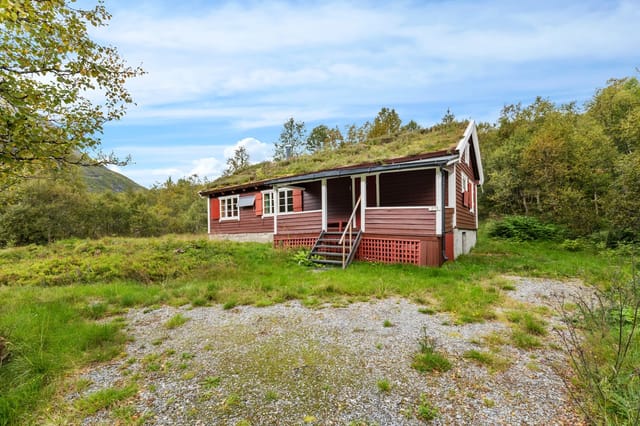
x=153 y=164
x=243 y=67
x=241 y=61
x=258 y=151
x=207 y=167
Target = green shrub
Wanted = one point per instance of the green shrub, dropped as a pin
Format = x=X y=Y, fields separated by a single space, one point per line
x=603 y=342
x=384 y=385
x=524 y=228
x=525 y=340
x=104 y=398
x=428 y=359
x=425 y=410
x=176 y=321
x=572 y=245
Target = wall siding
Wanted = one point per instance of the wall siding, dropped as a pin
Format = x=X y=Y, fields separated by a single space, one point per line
x=299 y=223
x=465 y=218
x=399 y=221
x=448 y=219
x=414 y=188
x=312 y=196
x=248 y=223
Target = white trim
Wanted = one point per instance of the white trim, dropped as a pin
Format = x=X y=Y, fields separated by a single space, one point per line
x=439 y=195
x=275 y=212
x=284 y=190
x=296 y=213
x=208 y=214
x=363 y=201
x=267 y=192
x=228 y=218
x=475 y=202
x=430 y=208
x=324 y=208
x=453 y=194
x=471 y=133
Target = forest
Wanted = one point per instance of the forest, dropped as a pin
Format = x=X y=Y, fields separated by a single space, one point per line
x=574 y=166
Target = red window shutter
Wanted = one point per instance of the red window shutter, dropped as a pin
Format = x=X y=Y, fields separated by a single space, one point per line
x=214 y=207
x=297 y=200
x=259 y=204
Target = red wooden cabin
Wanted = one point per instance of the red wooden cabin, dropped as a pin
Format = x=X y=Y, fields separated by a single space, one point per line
x=419 y=209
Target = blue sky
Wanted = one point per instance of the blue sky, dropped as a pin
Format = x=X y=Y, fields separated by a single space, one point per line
x=224 y=74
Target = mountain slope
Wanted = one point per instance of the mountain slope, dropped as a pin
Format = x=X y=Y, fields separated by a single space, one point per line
x=101 y=179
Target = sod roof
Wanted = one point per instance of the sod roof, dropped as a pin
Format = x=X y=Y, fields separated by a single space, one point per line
x=439 y=138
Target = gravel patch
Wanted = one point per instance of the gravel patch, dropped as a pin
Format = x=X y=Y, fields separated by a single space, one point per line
x=289 y=365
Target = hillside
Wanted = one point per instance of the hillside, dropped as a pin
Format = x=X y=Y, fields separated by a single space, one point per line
x=101 y=179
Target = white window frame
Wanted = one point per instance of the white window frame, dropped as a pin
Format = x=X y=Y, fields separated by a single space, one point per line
x=465 y=185
x=272 y=210
x=224 y=207
x=284 y=207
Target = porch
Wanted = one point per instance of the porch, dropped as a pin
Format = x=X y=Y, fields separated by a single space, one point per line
x=402 y=215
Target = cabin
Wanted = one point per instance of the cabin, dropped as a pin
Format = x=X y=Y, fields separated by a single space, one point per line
x=419 y=209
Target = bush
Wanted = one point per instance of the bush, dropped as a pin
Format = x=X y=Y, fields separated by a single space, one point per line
x=428 y=359
x=524 y=228
x=603 y=342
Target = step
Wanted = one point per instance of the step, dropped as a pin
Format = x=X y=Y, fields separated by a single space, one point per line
x=328 y=253
x=330 y=241
x=327 y=262
x=332 y=246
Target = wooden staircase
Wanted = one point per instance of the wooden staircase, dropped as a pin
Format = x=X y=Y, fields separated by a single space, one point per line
x=338 y=248
x=331 y=249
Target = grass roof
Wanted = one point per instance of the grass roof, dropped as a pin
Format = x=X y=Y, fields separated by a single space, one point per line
x=437 y=138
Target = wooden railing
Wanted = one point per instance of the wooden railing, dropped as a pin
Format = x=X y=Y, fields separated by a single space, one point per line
x=348 y=230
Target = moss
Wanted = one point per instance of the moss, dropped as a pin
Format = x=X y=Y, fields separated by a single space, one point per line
x=374 y=150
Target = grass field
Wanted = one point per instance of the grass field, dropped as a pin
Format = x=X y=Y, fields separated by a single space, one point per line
x=61 y=304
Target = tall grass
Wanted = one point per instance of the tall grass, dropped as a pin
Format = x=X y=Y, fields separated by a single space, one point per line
x=603 y=342
x=52 y=296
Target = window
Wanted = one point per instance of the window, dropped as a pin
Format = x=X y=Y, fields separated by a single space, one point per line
x=467 y=192
x=268 y=204
x=229 y=207
x=285 y=200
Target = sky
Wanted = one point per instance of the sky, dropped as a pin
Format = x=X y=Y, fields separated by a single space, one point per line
x=220 y=75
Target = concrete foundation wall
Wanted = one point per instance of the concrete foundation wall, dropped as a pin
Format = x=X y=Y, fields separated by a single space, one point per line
x=263 y=237
x=463 y=241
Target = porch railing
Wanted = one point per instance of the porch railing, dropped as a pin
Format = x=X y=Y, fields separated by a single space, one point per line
x=348 y=231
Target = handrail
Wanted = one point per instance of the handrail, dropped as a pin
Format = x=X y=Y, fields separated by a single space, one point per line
x=348 y=228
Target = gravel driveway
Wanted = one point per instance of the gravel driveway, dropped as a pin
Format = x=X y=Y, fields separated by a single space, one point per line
x=290 y=365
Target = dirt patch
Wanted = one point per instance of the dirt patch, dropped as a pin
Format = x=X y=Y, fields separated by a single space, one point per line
x=287 y=364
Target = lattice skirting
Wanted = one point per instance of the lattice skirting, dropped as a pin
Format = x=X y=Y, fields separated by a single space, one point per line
x=389 y=250
x=294 y=242
x=384 y=250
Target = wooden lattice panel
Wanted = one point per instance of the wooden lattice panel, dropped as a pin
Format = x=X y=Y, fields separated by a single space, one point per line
x=389 y=250
x=295 y=242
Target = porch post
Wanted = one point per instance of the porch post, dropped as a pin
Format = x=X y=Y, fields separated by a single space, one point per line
x=208 y=214
x=324 y=204
x=439 y=204
x=276 y=207
x=363 y=201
